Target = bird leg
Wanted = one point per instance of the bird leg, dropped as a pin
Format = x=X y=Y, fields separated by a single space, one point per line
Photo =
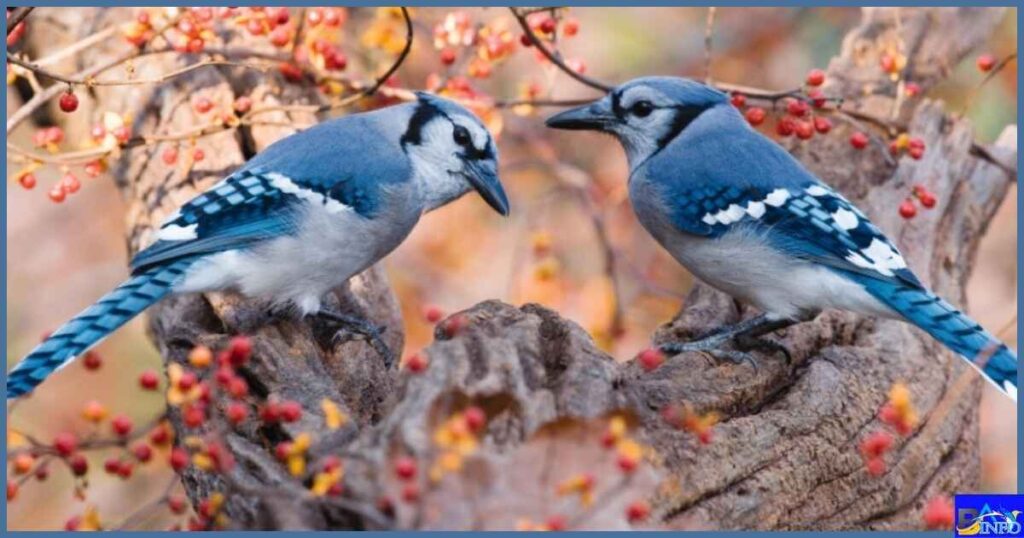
x=745 y=334
x=364 y=328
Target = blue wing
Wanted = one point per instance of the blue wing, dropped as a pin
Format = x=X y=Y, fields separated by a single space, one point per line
x=344 y=161
x=755 y=183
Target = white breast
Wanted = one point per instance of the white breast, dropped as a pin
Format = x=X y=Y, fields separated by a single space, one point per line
x=328 y=249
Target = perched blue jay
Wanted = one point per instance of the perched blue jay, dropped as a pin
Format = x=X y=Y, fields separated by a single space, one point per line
x=298 y=219
x=747 y=218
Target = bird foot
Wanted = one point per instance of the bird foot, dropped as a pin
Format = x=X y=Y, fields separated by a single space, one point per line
x=353 y=326
x=748 y=343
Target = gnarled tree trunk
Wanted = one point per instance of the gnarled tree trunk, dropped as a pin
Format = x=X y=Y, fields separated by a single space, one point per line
x=785 y=455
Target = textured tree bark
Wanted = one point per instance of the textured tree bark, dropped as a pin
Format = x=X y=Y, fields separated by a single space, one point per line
x=785 y=455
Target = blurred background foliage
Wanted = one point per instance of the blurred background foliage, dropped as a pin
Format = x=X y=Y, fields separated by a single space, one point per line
x=61 y=257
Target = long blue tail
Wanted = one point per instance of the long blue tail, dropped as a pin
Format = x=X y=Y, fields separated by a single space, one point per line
x=954 y=329
x=94 y=324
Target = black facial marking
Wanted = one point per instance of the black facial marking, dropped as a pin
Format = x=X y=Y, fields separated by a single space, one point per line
x=617 y=105
x=425 y=111
x=683 y=116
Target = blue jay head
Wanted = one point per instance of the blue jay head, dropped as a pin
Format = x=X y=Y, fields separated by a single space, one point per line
x=452 y=152
x=645 y=114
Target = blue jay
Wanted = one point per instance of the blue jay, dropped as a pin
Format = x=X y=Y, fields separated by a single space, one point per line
x=747 y=218
x=300 y=218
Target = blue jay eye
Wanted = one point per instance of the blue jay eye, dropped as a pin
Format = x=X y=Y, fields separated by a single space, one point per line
x=461 y=136
x=642 y=109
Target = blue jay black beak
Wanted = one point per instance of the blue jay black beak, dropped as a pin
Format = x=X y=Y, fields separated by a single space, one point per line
x=596 y=116
x=483 y=176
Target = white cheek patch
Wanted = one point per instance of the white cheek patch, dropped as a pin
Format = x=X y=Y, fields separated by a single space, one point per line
x=879 y=256
x=286 y=185
x=177 y=233
x=845 y=219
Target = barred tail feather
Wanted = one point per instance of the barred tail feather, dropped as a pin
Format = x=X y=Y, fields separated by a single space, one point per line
x=93 y=325
x=954 y=329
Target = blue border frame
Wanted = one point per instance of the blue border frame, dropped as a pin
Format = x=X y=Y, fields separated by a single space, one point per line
x=592 y=3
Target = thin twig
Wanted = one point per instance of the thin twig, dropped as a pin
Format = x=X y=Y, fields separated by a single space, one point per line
x=401 y=57
x=89 y=81
x=988 y=76
x=555 y=58
x=19 y=14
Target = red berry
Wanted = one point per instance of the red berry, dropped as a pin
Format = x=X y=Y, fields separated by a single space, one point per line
x=202 y=105
x=410 y=493
x=160 y=435
x=570 y=27
x=756 y=115
x=332 y=16
x=927 y=199
x=143 y=452
x=476 y=418
x=72 y=523
x=238 y=387
x=447 y=56
x=556 y=523
x=876 y=444
x=738 y=100
x=71 y=185
x=282 y=449
x=912 y=89
x=243 y=104
x=876 y=467
x=405 y=468
x=237 y=412
x=804 y=130
x=986 y=62
x=198 y=155
x=65 y=443
x=179 y=458
x=888 y=63
x=91 y=360
x=416 y=363
x=938 y=513
x=281 y=36
x=908 y=209
x=94 y=168
x=797 y=107
x=27 y=181
x=240 y=350
x=149 y=380
x=112 y=465
x=121 y=425
x=42 y=473
x=638 y=511
x=290 y=411
x=651 y=358
x=816 y=77
x=525 y=40
x=548 y=25
x=785 y=126
x=627 y=464
x=69 y=101
x=193 y=416
x=817 y=97
x=822 y=125
x=453 y=325
x=270 y=413
x=314 y=16
x=859 y=140
x=255 y=26
x=79 y=465
x=433 y=314
x=176 y=504
x=187 y=381
x=12 y=490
